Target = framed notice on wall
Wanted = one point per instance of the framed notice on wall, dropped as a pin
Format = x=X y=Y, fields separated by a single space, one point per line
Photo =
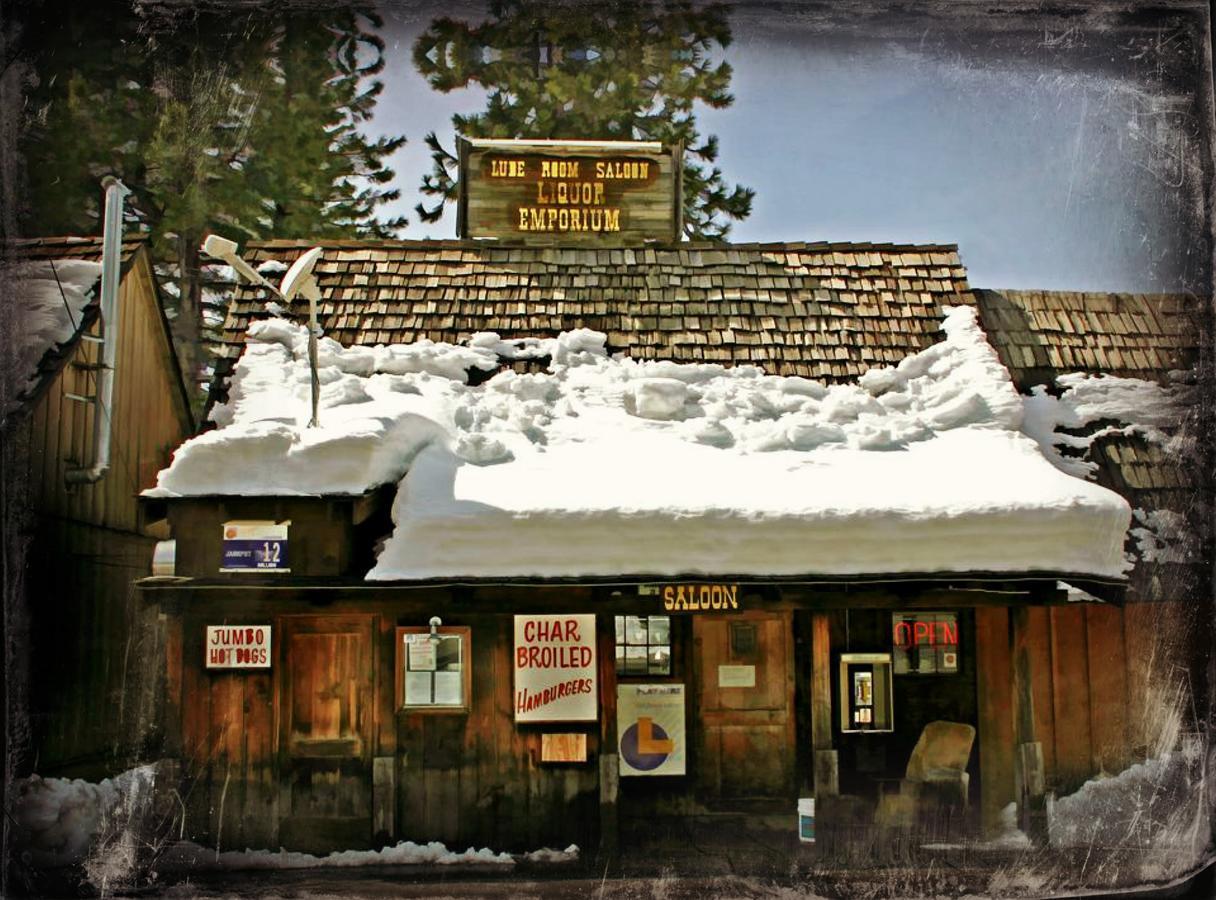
x=433 y=668
x=650 y=729
x=555 y=674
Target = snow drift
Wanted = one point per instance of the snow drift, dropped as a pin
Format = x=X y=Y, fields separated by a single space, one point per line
x=609 y=466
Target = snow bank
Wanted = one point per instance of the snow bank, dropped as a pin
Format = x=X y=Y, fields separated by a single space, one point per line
x=1155 y=804
x=50 y=298
x=61 y=821
x=609 y=466
x=405 y=853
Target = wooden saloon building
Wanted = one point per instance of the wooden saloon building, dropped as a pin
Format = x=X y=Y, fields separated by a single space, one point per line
x=317 y=708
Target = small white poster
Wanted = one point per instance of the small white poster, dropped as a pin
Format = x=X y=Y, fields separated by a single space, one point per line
x=737 y=676
x=650 y=729
x=555 y=676
x=421 y=651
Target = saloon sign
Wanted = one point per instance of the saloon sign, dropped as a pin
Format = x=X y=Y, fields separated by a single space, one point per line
x=569 y=192
x=555 y=669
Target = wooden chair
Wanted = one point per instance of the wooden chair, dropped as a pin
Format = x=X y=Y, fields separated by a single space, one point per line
x=936 y=779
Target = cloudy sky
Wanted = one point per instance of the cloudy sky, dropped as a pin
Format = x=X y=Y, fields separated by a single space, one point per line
x=1056 y=154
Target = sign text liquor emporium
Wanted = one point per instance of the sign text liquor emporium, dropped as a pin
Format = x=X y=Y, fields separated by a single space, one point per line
x=603 y=193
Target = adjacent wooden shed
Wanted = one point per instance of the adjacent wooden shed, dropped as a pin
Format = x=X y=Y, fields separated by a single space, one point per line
x=88 y=643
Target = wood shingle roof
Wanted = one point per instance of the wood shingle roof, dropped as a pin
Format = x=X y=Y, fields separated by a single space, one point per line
x=826 y=311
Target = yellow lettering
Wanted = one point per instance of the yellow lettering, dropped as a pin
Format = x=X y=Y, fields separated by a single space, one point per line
x=612 y=220
x=732 y=593
x=645 y=170
x=523 y=218
x=536 y=219
x=599 y=194
x=669 y=600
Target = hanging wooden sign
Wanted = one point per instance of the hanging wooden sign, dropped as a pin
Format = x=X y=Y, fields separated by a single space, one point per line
x=604 y=193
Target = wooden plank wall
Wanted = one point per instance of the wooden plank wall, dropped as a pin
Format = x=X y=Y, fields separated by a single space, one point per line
x=88 y=544
x=231 y=790
x=478 y=779
x=1109 y=690
x=149 y=418
x=94 y=649
x=1107 y=686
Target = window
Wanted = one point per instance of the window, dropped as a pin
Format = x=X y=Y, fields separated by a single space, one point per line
x=643 y=645
x=925 y=643
x=433 y=668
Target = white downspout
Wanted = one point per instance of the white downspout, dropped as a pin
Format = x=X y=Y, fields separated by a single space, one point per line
x=111 y=263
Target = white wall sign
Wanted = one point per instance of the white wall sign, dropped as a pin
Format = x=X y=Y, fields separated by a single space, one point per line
x=237 y=647
x=737 y=676
x=650 y=725
x=555 y=678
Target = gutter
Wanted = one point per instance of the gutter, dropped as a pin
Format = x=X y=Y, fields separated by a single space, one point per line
x=111 y=261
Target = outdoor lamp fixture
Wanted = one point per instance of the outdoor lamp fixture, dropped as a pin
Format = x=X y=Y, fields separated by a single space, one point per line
x=435 y=623
x=221 y=248
x=299 y=280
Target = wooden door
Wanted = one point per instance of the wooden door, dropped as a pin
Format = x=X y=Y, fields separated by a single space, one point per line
x=327 y=695
x=744 y=671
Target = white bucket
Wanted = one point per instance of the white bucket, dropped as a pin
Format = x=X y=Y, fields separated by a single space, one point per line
x=806 y=820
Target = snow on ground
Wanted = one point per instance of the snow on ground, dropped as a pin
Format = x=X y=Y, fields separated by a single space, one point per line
x=59 y=821
x=609 y=466
x=1158 y=805
x=51 y=297
x=186 y=855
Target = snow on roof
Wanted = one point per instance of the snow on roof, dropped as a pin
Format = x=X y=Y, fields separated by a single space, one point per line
x=51 y=296
x=609 y=466
x=1142 y=408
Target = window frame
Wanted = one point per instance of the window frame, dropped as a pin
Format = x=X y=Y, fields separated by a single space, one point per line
x=672 y=665
x=465 y=633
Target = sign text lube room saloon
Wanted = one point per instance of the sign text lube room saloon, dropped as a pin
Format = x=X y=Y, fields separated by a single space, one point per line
x=564 y=195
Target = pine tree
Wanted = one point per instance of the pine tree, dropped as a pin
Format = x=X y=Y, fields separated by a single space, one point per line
x=246 y=124
x=632 y=72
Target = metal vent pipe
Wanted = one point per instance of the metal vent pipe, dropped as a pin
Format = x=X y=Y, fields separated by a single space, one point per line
x=111 y=263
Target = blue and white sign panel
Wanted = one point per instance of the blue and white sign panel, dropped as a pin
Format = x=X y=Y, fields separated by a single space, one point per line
x=255 y=547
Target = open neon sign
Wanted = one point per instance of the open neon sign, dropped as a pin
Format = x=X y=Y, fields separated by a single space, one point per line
x=925 y=643
x=934 y=633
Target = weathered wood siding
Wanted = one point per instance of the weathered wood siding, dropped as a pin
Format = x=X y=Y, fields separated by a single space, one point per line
x=471 y=777
x=1110 y=688
x=476 y=778
x=88 y=543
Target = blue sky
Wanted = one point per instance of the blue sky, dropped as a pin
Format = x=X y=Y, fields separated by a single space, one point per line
x=1056 y=177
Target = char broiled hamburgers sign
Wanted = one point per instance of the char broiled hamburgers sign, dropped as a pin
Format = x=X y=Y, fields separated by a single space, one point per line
x=603 y=193
x=555 y=668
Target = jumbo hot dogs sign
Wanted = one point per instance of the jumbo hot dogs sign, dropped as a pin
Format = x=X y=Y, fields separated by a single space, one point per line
x=555 y=669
